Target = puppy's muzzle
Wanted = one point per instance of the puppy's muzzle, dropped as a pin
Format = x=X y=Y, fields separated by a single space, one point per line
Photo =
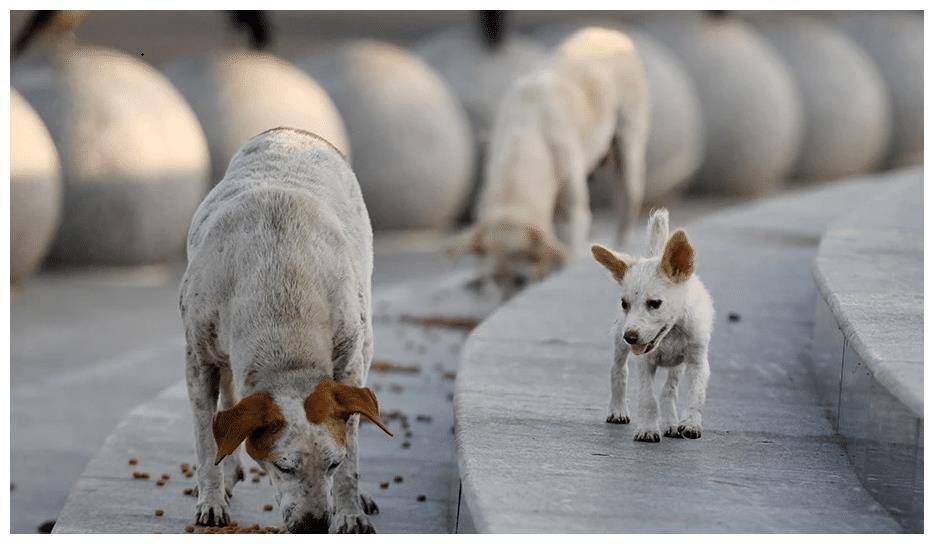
x=311 y=524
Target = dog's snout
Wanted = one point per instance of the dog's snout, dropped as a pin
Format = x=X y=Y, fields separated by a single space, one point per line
x=631 y=337
x=311 y=524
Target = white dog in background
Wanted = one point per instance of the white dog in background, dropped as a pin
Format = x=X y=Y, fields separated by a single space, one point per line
x=276 y=308
x=589 y=108
x=666 y=321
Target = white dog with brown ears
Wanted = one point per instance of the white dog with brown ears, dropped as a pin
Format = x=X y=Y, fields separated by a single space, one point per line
x=588 y=109
x=276 y=308
x=666 y=321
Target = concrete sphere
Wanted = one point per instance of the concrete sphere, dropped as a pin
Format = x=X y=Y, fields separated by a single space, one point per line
x=675 y=144
x=35 y=189
x=846 y=111
x=895 y=41
x=238 y=94
x=410 y=136
x=750 y=107
x=134 y=160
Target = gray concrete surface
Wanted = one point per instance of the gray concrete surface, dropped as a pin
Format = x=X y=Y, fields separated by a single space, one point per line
x=868 y=342
x=535 y=454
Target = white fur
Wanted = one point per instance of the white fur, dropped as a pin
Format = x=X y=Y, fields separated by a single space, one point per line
x=553 y=128
x=275 y=299
x=685 y=318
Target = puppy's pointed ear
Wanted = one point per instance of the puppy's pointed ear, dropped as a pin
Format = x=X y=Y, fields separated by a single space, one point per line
x=337 y=401
x=469 y=241
x=677 y=262
x=617 y=263
x=251 y=414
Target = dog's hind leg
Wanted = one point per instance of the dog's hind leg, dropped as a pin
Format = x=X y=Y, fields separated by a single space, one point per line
x=203 y=379
x=632 y=138
x=697 y=374
x=619 y=374
x=669 y=402
x=647 y=423
x=572 y=216
x=231 y=465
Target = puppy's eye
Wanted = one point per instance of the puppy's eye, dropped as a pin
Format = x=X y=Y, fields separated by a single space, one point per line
x=285 y=469
x=653 y=304
x=333 y=466
x=625 y=305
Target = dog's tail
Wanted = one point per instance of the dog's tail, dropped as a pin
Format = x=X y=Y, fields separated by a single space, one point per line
x=657 y=232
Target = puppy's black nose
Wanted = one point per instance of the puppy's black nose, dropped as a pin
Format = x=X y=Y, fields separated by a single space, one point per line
x=631 y=337
x=311 y=524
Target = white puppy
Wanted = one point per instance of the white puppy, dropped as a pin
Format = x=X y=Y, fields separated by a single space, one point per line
x=666 y=321
x=589 y=108
x=276 y=308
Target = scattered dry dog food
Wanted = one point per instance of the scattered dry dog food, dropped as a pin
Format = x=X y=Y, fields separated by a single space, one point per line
x=185 y=467
x=384 y=485
x=134 y=461
x=396 y=388
x=448 y=322
x=188 y=491
x=160 y=483
x=423 y=418
x=141 y=475
x=408 y=434
x=734 y=317
x=449 y=375
x=386 y=366
x=166 y=477
x=189 y=529
x=397 y=479
x=406 y=445
x=159 y=512
x=46 y=527
x=234 y=529
x=267 y=507
x=420 y=498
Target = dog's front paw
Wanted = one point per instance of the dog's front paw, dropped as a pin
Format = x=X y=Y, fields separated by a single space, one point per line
x=672 y=432
x=647 y=435
x=620 y=418
x=351 y=522
x=690 y=429
x=369 y=505
x=212 y=512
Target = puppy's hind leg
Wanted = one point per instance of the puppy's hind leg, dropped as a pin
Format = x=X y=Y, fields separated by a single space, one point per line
x=619 y=373
x=669 y=402
x=203 y=380
x=231 y=465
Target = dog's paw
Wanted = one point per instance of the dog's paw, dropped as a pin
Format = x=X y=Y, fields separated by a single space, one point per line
x=647 y=435
x=212 y=513
x=620 y=418
x=369 y=505
x=351 y=522
x=690 y=429
x=672 y=432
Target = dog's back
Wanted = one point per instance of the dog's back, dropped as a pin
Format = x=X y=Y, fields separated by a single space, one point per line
x=280 y=253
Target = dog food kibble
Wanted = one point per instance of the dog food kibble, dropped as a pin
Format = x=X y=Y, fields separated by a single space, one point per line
x=733 y=317
x=408 y=434
x=423 y=418
x=420 y=498
x=449 y=375
x=384 y=485
x=184 y=467
x=406 y=445
x=396 y=388
x=159 y=512
x=160 y=483
x=189 y=529
x=133 y=462
x=166 y=477
x=188 y=491
x=267 y=508
x=141 y=475
x=462 y=323
x=387 y=366
x=397 y=479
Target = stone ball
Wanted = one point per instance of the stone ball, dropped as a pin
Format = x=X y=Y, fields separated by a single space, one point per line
x=846 y=111
x=240 y=93
x=35 y=189
x=409 y=135
x=895 y=41
x=675 y=145
x=134 y=159
x=749 y=102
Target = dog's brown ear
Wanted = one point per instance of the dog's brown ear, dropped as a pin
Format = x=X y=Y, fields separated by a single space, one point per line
x=678 y=258
x=617 y=263
x=251 y=414
x=337 y=402
x=469 y=241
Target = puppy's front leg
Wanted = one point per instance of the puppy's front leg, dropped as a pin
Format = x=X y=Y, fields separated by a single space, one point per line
x=203 y=385
x=669 y=402
x=697 y=374
x=647 y=425
x=619 y=374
